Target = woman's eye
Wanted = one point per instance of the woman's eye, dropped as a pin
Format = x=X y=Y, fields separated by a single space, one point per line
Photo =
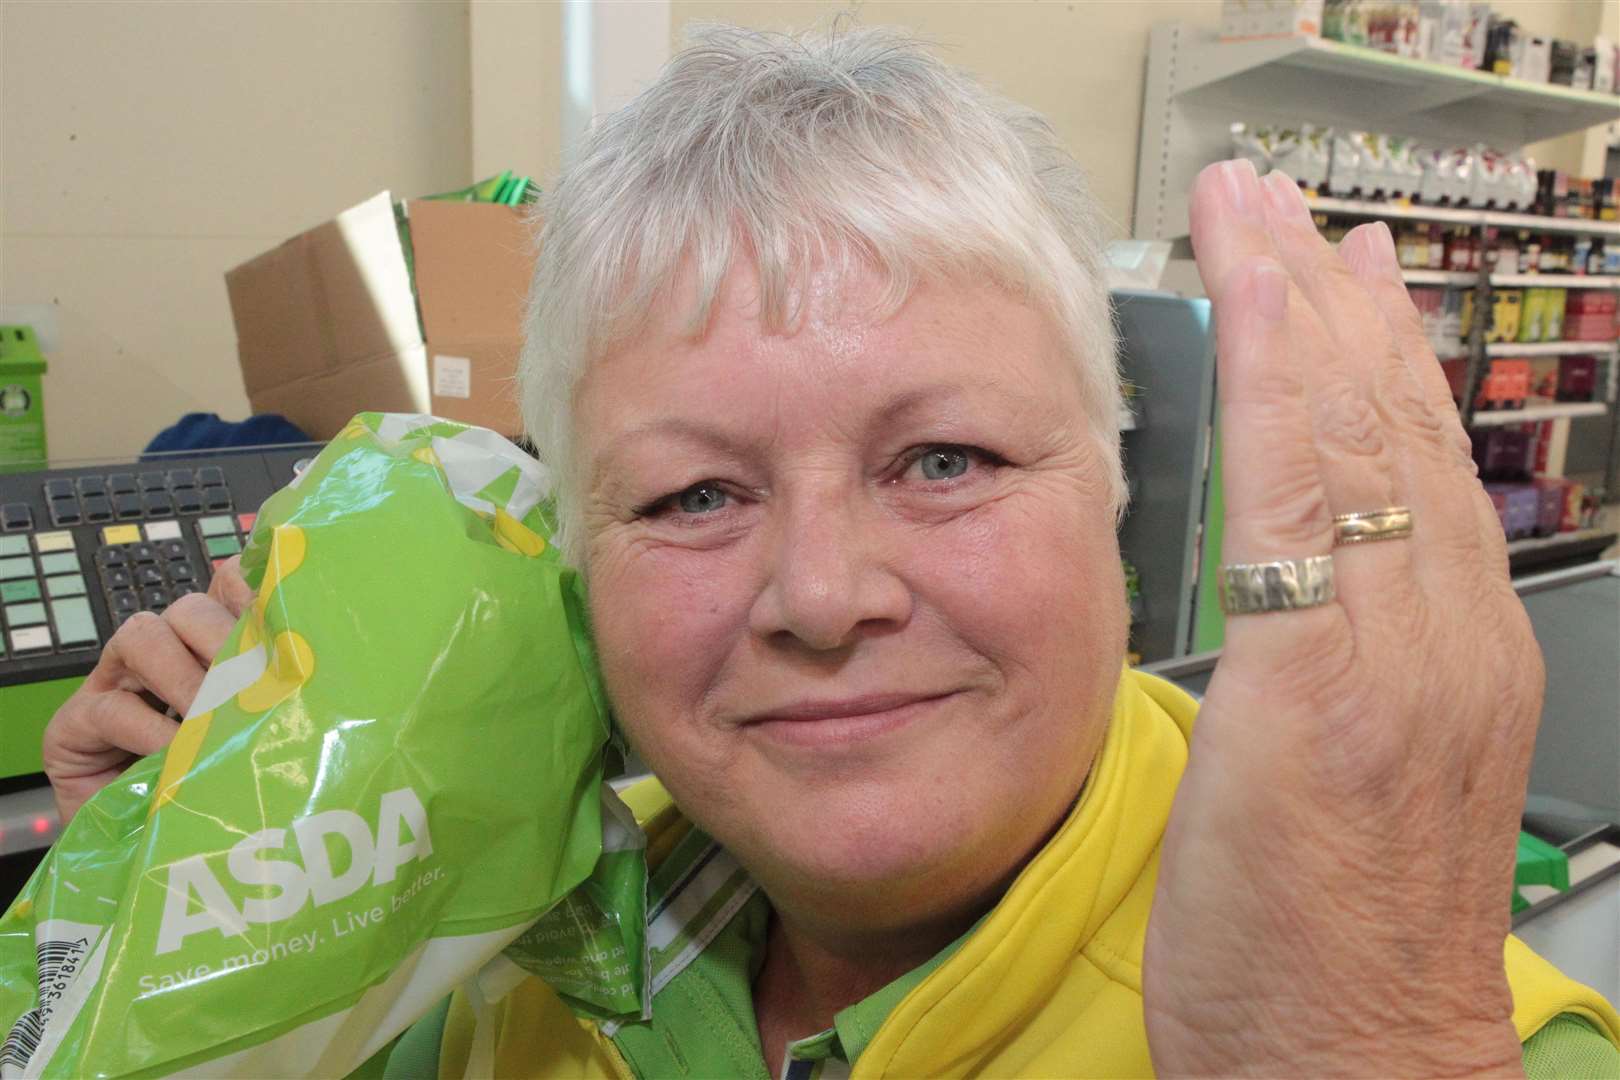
x=700 y=499
x=943 y=462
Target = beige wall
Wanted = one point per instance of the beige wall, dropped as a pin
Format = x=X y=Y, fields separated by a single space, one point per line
x=145 y=148
x=1080 y=62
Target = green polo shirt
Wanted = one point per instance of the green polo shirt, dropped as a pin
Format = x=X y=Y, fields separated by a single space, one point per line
x=707 y=931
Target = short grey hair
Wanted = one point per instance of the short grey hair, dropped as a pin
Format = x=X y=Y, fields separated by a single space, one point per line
x=844 y=145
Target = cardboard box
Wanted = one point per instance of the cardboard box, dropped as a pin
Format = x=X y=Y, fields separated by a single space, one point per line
x=328 y=325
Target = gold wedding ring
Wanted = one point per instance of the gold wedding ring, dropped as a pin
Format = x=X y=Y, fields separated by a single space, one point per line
x=1390 y=523
x=1284 y=585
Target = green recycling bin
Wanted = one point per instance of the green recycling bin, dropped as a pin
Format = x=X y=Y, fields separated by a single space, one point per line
x=22 y=400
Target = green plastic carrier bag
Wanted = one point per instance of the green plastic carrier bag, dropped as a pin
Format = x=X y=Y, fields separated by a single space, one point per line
x=393 y=771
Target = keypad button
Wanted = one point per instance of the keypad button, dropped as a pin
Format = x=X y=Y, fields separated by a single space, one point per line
x=151 y=481
x=66 y=511
x=112 y=556
x=146 y=576
x=59 y=489
x=47 y=542
x=216 y=498
x=221 y=546
x=92 y=485
x=75 y=626
x=11 y=569
x=31 y=639
x=182 y=478
x=181 y=571
x=97 y=508
x=14 y=592
x=174 y=549
x=121 y=534
x=16 y=517
x=187 y=501
x=154 y=599
x=120 y=483
x=216 y=526
x=60 y=563
x=117 y=577
x=143 y=553
x=65 y=585
x=128 y=505
x=163 y=530
x=244 y=522
x=184 y=588
x=25 y=614
x=157 y=503
x=12 y=546
x=124 y=601
x=211 y=476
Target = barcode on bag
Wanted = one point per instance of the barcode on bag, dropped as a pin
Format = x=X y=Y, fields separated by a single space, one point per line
x=59 y=957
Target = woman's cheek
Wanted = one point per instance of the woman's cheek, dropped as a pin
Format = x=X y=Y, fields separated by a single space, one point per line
x=664 y=623
x=1040 y=559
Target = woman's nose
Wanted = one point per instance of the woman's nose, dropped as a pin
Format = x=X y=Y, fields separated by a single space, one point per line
x=833 y=576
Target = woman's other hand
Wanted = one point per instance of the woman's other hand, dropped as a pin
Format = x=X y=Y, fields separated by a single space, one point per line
x=152 y=664
x=1335 y=880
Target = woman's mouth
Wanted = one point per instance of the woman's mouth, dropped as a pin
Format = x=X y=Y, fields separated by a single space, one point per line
x=830 y=723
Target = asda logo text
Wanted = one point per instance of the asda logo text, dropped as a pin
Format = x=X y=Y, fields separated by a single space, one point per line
x=196 y=900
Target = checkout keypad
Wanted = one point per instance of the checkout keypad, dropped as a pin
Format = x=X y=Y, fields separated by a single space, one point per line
x=148 y=567
x=135 y=496
x=44 y=602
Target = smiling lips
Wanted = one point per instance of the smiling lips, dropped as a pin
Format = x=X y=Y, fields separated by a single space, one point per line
x=824 y=724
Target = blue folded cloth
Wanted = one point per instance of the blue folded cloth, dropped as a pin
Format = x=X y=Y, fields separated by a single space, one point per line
x=206 y=431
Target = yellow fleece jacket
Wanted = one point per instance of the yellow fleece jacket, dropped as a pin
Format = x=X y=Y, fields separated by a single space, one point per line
x=1048 y=984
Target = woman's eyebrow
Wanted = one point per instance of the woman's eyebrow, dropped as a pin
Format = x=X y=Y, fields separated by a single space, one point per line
x=664 y=427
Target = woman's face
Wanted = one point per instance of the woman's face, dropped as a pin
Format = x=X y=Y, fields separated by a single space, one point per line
x=855 y=586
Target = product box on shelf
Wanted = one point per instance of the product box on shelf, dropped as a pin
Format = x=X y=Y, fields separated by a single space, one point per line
x=1523 y=509
x=1517 y=506
x=1589 y=315
x=1549 y=504
x=1577 y=378
x=1506 y=306
x=1270 y=18
x=1503 y=456
x=1603 y=65
x=419 y=312
x=1574 y=507
x=1544 y=373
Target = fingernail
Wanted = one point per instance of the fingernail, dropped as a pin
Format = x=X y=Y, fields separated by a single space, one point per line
x=1271 y=293
x=1381 y=246
x=1286 y=199
x=1241 y=184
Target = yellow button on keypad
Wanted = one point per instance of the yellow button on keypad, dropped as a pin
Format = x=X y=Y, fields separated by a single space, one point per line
x=53 y=541
x=121 y=534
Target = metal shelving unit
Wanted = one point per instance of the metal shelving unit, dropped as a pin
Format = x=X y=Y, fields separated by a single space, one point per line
x=1197 y=86
x=1550 y=348
x=1562 y=410
x=1462 y=278
x=1447 y=215
x=1555 y=281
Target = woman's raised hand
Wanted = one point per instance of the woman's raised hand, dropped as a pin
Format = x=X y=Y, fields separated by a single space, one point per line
x=152 y=663
x=1335 y=880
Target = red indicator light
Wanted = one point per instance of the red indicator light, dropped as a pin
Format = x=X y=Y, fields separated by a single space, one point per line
x=42 y=825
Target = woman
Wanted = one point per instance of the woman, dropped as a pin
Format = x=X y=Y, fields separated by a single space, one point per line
x=821 y=354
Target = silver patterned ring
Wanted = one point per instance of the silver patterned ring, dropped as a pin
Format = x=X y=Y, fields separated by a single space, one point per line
x=1390 y=523
x=1284 y=585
